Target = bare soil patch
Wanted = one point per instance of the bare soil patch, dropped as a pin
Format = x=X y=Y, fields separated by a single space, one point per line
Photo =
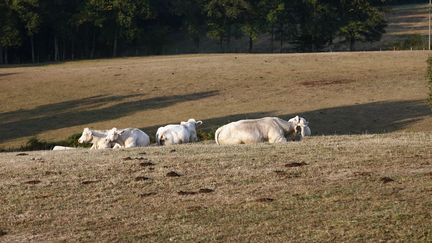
x=319 y=83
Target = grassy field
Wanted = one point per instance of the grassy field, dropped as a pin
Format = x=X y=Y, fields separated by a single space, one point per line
x=365 y=188
x=340 y=93
x=364 y=175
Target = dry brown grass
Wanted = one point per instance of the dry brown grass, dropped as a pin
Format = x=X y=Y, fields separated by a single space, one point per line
x=327 y=188
x=340 y=93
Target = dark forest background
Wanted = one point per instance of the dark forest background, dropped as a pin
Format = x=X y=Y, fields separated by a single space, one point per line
x=33 y=31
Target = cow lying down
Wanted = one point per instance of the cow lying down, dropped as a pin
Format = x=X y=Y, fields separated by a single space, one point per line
x=97 y=139
x=57 y=147
x=267 y=129
x=127 y=138
x=185 y=132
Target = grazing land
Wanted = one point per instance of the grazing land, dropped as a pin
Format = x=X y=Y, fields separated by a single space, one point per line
x=364 y=175
x=327 y=188
x=340 y=93
x=407 y=27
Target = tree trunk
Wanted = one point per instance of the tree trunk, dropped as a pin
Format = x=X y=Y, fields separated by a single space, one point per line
x=32 y=48
x=92 y=52
x=115 y=43
x=250 y=44
x=73 y=49
x=197 y=42
x=229 y=40
x=272 y=39
x=63 y=53
x=56 y=49
x=351 y=46
x=6 y=61
x=281 y=38
x=1 y=55
x=221 y=43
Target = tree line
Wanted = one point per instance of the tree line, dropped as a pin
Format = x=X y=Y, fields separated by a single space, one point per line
x=54 y=30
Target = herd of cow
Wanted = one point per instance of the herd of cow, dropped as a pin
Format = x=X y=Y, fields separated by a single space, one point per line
x=267 y=129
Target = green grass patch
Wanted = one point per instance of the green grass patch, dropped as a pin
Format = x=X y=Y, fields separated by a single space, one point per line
x=429 y=78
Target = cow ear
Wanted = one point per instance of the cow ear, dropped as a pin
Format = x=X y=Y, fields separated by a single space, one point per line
x=88 y=131
x=199 y=123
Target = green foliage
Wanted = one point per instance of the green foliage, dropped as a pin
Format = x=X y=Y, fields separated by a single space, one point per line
x=204 y=135
x=35 y=143
x=101 y=28
x=72 y=141
x=361 y=22
x=28 y=13
x=10 y=35
x=429 y=77
x=317 y=24
x=416 y=42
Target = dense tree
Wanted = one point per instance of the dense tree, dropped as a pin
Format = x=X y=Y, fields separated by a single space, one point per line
x=316 y=24
x=55 y=30
x=225 y=18
x=194 y=18
x=280 y=20
x=9 y=30
x=28 y=13
x=360 y=22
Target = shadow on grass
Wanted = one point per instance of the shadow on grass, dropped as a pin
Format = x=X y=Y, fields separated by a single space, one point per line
x=24 y=123
x=6 y=74
x=376 y=117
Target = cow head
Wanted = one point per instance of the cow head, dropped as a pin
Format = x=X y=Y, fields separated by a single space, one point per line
x=192 y=121
x=86 y=136
x=300 y=128
x=112 y=135
x=166 y=138
x=161 y=140
x=104 y=144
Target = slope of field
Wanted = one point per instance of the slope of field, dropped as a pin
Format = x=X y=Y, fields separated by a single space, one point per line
x=340 y=93
x=366 y=188
x=407 y=27
x=408 y=20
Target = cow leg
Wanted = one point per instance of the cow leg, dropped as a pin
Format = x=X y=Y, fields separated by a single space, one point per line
x=130 y=145
x=276 y=136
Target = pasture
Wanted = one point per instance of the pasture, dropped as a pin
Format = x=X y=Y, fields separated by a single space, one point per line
x=326 y=188
x=340 y=93
x=364 y=175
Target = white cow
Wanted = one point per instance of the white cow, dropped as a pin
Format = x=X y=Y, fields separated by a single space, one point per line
x=302 y=127
x=267 y=129
x=128 y=137
x=62 y=148
x=185 y=132
x=96 y=138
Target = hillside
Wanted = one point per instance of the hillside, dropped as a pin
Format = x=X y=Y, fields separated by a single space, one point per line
x=339 y=93
x=365 y=188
